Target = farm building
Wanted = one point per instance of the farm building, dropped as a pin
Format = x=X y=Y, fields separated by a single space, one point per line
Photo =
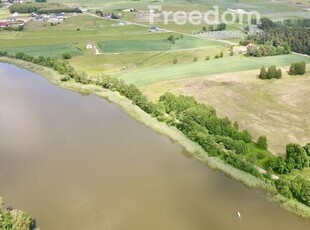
x=4 y=24
x=153 y=29
x=89 y=46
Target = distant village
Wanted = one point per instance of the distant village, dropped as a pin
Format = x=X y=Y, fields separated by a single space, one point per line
x=17 y=21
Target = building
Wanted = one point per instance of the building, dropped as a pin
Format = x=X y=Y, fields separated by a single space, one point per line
x=153 y=29
x=4 y=24
x=89 y=46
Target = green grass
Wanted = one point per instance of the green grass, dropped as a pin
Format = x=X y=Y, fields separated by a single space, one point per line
x=144 y=45
x=45 y=50
x=149 y=75
x=134 y=46
x=278 y=109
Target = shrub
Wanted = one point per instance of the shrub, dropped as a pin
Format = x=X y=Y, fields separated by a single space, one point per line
x=262 y=143
x=298 y=68
x=66 y=56
x=279 y=73
x=272 y=72
x=296 y=156
x=175 y=60
x=263 y=73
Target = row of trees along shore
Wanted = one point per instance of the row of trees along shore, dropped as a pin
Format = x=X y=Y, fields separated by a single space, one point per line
x=200 y=123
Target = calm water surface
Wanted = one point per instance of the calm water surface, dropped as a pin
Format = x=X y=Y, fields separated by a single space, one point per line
x=79 y=162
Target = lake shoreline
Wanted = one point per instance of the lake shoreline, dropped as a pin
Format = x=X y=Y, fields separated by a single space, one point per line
x=162 y=128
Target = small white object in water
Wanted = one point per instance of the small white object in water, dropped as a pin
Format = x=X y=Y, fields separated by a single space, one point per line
x=239 y=215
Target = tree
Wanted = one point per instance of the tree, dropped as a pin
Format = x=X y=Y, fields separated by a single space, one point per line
x=221 y=54
x=236 y=125
x=263 y=73
x=66 y=56
x=307 y=149
x=262 y=143
x=296 y=156
x=298 y=68
x=279 y=73
x=283 y=187
x=272 y=72
x=279 y=165
x=171 y=39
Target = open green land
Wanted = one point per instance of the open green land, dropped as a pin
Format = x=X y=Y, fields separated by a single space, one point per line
x=278 y=109
x=202 y=68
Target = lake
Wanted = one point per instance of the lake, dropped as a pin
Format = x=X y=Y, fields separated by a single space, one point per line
x=79 y=162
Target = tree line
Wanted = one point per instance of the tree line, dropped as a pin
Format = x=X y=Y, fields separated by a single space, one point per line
x=267 y=49
x=271 y=73
x=296 y=34
x=42 y=8
x=298 y=68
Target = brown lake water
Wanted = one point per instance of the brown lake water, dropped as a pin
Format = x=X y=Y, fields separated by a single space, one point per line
x=79 y=162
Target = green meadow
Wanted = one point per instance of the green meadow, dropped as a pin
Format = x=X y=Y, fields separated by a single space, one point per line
x=153 y=74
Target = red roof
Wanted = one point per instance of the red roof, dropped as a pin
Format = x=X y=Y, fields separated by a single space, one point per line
x=4 y=24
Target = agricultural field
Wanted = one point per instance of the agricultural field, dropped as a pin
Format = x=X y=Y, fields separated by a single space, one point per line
x=278 y=109
x=227 y=64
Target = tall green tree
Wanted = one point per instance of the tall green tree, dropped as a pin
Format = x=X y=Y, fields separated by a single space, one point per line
x=262 y=142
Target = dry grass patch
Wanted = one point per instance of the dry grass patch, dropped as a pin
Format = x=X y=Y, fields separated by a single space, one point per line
x=278 y=109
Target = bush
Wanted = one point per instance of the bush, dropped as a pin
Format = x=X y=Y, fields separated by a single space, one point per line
x=207 y=58
x=171 y=39
x=279 y=165
x=66 y=56
x=307 y=149
x=279 y=73
x=195 y=59
x=272 y=72
x=263 y=73
x=14 y=219
x=298 y=68
x=175 y=60
x=262 y=143
x=296 y=156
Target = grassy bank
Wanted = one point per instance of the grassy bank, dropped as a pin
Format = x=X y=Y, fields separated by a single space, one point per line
x=141 y=116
